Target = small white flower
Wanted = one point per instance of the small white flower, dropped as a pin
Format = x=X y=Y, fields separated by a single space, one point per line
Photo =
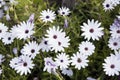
x=44 y=46
x=108 y=5
x=92 y=30
x=2 y=3
x=64 y=11
x=8 y=38
x=24 y=30
x=22 y=64
x=114 y=43
x=86 y=48
x=57 y=39
x=67 y=72
x=15 y=50
x=79 y=60
x=62 y=60
x=31 y=49
x=111 y=66
x=50 y=65
x=115 y=31
x=3 y=30
x=47 y=15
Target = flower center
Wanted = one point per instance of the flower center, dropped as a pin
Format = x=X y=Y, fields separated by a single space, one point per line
x=0 y=31
x=47 y=17
x=115 y=44
x=59 y=43
x=107 y=5
x=25 y=64
x=86 y=48
x=9 y=38
x=45 y=42
x=55 y=36
x=91 y=30
x=118 y=31
x=79 y=60
x=112 y=66
x=26 y=31
x=63 y=12
x=32 y=51
x=61 y=60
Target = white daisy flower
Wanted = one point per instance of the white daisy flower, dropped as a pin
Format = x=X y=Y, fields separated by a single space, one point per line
x=111 y=66
x=115 y=31
x=44 y=46
x=92 y=30
x=108 y=5
x=50 y=65
x=8 y=38
x=24 y=30
x=64 y=11
x=31 y=49
x=1 y=58
x=57 y=39
x=62 y=60
x=79 y=60
x=115 y=2
x=114 y=43
x=22 y=65
x=3 y=30
x=67 y=72
x=47 y=15
x=86 y=48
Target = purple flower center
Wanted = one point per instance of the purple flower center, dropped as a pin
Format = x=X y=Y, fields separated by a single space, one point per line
x=61 y=60
x=0 y=31
x=86 y=49
x=79 y=60
x=26 y=31
x=118 y=31
x=112 y=66
x=55 y=36
x=47 y=17
x=45 y=42
x=63 y=12
x=25 y=64
x=107 y=5
x=59 y=43
x=115 y=44
x=9 y=38
x=91 y=30
x=32 y=50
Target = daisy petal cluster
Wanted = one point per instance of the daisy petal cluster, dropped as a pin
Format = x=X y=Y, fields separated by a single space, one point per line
x=111 y=65
x=22 y=64
x=47 y=15
x=79 y=60
x=62 y=60
x=86 y=48
x=23 y=31
x=31 y=49
x=92 y=30
x=110 y=4
x=64 y=11
x=57 y=39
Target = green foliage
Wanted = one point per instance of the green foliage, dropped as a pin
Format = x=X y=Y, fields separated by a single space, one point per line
x=82 y=11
